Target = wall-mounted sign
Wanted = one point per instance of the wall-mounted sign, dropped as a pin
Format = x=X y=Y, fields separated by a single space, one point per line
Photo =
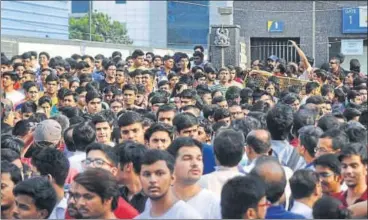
x=275 y=26
x=352 y=46
x=354 y=20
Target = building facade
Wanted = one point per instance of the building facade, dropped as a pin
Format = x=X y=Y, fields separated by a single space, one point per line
x=267 y=26
x=42 y=19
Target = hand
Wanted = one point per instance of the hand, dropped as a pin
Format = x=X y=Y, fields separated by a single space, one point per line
x=292 y=42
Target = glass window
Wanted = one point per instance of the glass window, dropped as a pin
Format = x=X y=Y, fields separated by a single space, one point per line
x=120 y=1
x=80 y=6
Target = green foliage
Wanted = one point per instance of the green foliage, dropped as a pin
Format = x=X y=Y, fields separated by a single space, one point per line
x=103 y=29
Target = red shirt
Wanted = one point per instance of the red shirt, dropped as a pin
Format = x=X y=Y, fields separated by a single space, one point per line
x=342 y=198
x=123 y=211
x=294 y=142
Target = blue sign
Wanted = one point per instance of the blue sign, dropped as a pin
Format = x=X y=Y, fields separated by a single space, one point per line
x=354 y=20
x=275 y=26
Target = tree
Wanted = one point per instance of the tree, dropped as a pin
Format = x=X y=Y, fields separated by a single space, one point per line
x=103 y=29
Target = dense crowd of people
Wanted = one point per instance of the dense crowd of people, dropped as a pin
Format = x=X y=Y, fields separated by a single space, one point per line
x=173 y=137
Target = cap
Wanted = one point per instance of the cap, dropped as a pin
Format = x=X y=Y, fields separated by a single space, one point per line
x=48 y=130
x=273 y=58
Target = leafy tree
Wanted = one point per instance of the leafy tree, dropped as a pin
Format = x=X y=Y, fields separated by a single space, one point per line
x=103 y=29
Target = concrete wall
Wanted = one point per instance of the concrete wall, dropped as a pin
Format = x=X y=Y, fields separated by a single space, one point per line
x=252 y=16
x=43 y=19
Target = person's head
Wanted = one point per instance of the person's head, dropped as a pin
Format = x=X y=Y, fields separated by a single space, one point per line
x=331 y=141
x=10 y=176
x=327 y=122
x=9 y=78
x=354 y=166
x=31 y=91
x=35 y=198
x=328 y=167
x=166 y=114
x=311 y=88
x=138 y=58
x=187 y=97
x=258 y=142
x=198 y=57
x=70 y=99
x=52 y=163
x=28 y=109
x=186 y=125
x=83 y=135
x=103 y=127
x=329 y=207
x=129 y=94
x=271 y=171
x=45 y=103
x=227 y=151
x=159 y=136
x=157 y=174
x=188 y=160
x=356 y=132
x=334 y=63
x=236 y=111
x=305 y=184
x=220 y=101
x=222 y=114
x=308 y=137
x=354 y=97
x=131 y=127
x=279 y=121
x=52 y=83
x=103 y=156
x=95 y=192
x=223 y=75
x=246 y=125
x=93 y=101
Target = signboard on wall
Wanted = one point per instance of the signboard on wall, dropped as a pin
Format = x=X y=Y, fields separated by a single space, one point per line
x=275 y=26
x=352 y=46
x=354 y=20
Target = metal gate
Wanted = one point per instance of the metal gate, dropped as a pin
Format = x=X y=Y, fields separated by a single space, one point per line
x=262 y=48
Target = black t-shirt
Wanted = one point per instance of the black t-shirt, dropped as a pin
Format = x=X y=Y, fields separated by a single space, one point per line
x=138 y=201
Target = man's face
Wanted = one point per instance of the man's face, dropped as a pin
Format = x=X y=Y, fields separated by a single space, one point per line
x=59 y=70
x=27 y=63
x=261 y=209
x=267 y=99
x=169 y=64
x=236 y=112
x=223 y=104
x=103 y=132
x=82 y=99
x=19 y=70
x=25 y=208
x=52 y=87
x=116 y=107
x=64 y=83
x=130 y=62
x=349 y=79
x=27 y=78
x=149 y=58
x=5 y=68
x=94 y=106
x=146 y=79
x=32 y=94
x=74 y=86
x=72 y=208
x=133 y=132
x=166 y=88
x=7 y=186
x=157 y=62
x=202 y=135
x=69 y=101
x=129 y=97
x=138 y=79
x=189 y=165
x=190 y=132
x=330 y=181
x=186 y=101
x=7 y=82
x=139 y=99
x=232 y=75
x=111 y=72
x=353 y=171
x=166 y=117
x=108 y=96
x=197 y=60
x=138 y=61
x=324 y=146
x=90 y=63
x=226 y=120
x=357 y=100
x=156 y=180
x=363 y=95
x=224 y=76
x=44 y=74
x=159 y=140
x=98 y=159
x=89 y=204
x=43 y=60
x=184 y=62
x=98 y=64
x=207 y=98
x=120 y=77
x=333 y=64
x=202 y=81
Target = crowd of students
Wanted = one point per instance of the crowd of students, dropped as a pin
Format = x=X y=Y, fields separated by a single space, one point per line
x=172 y=137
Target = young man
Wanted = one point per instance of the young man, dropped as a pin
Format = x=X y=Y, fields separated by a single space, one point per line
x=103 y=129
x=166 y=114
x=10 y=176
x=93 y=100
x=157 y=178
x=52 y=84
x=244 y=197
x=53 y=163
x=159 y=136
x=70 y=99
x=236 y=111
x=187 y=97
x=306 y=189
x=35 y=198
x=224 y=76
x=110 y=75
x=130 y=155
x=130 y=95
x=354 y=172
x=188 y=170
x=331 y=141
x=8 y=81
x=308 y=136
x=138 y=58
x=131 y=127
x=166 y=69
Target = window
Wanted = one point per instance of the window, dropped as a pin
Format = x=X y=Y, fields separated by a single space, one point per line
x=120 y=1
x=80 y=6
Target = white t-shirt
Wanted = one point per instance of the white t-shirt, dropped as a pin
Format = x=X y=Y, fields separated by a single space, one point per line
x=207 y=204
x=14 y=96
x=180 y=210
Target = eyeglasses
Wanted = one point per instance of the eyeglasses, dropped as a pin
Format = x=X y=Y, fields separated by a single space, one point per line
x=266 y=204
x=325 y=174
x=320 y=149
x=332 y=63
x=96 y=163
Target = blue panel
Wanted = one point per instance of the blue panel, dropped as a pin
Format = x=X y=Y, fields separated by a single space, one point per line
x=120 y=1
x=350 y=21
x=275 y=26
x=187 y=23
x=80 y=6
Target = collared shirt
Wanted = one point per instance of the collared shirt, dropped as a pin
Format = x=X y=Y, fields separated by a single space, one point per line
x=343 y=197
x=138 y=201
x=59 y=210
x=216 y=180
x=302 y=209
x=310 y=166
x=283 y=151
x=279 y=212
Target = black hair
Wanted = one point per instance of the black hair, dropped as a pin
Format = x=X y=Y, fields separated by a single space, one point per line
x=131 y=152
x=83 y=135
x=152 y=156
x=29 y=107
x=180 y=142
x=26 y=55
x=339 y=138
x=14 y=172
x=68 y=139
x=93 y=94
x=329 y=207
x=258 y=145
x=159 y=127
x=11 y=142
x=54 y=162
x=184 y=120
x=315 y=99
x=221 y=113
x=70 y=112
x=329 y=160
x=356 y=132
x=13 y=76
x=245 y=125
x=37 y=117
x=9 y=155
x=303 y=183
x=85 y=78
x=327 y=122
x=218 y=99
x=354 y=151
x=40 y=190
x=28 y=85
x=227 y=151
x=129 y=118
x=102 y=183
x=137 y=53
x=239 y=194
x=309 y=136
x=131 y=87
x=279 y=121
x=310 y=86
x=52 y=77
x=260 y=116
x=325 y=89
x=107 y=150
x=232 y=93
x=21 y=128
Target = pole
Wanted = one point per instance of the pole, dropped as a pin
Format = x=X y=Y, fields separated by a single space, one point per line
x=90 y=20
x=314 y=30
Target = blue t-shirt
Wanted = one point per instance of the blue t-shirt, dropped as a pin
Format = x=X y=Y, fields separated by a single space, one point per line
x=279 y=212
x=208 y=159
